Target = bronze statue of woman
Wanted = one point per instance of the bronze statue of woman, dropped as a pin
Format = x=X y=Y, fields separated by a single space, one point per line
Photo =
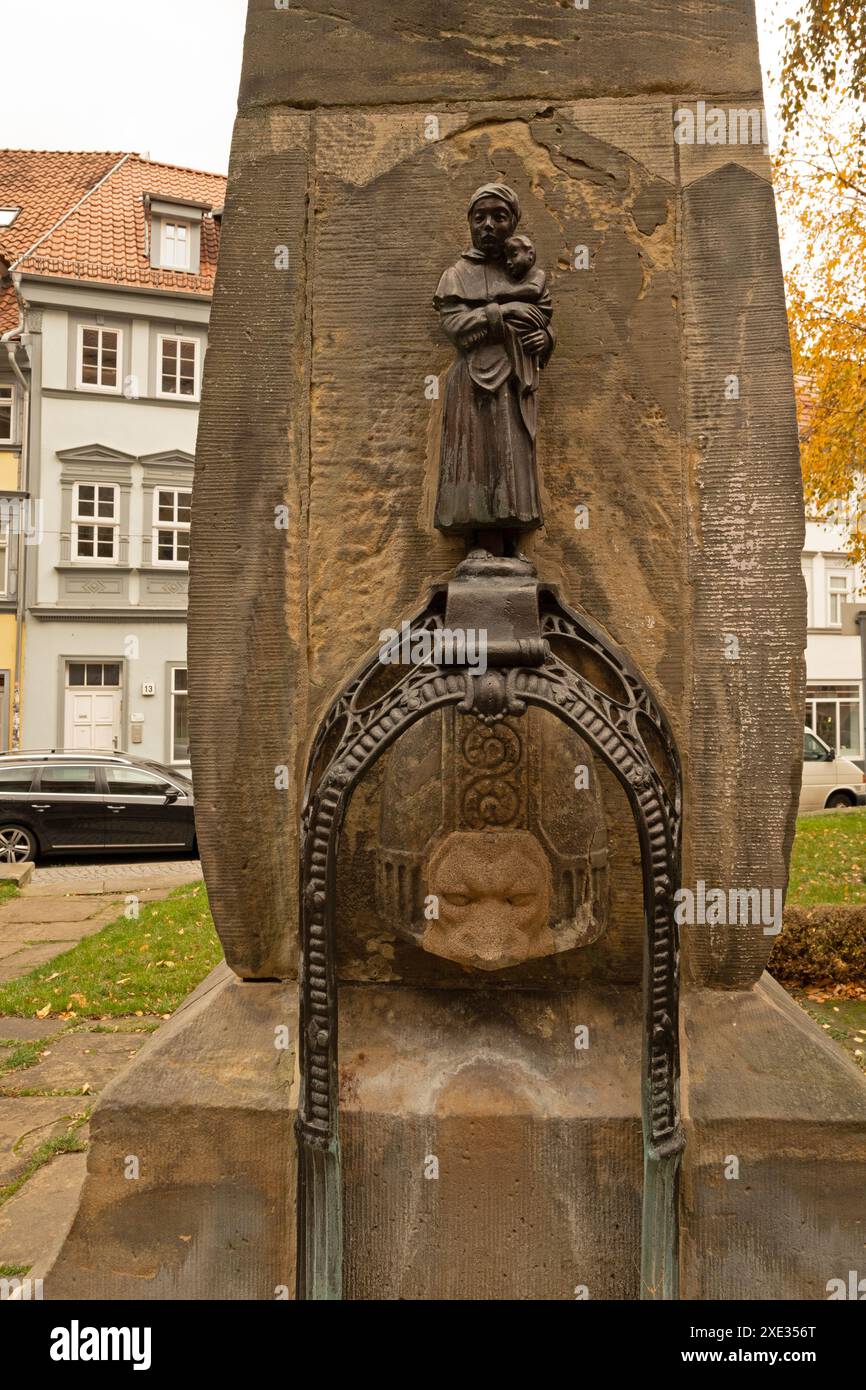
x=496 y=309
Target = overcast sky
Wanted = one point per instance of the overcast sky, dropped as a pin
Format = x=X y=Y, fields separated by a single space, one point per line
x=158 y=78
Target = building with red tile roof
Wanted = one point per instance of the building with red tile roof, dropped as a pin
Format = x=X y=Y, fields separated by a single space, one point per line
x=107 y=266
x=89 y=216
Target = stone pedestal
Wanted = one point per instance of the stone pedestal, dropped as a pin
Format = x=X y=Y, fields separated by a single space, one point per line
x=484 y=1157
x=763 y=1085
x=206 y=1110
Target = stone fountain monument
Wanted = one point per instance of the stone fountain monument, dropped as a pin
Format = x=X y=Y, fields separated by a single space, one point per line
x=496 y=656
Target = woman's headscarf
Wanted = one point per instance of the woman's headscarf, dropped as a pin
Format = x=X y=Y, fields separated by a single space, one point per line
x=496 y=190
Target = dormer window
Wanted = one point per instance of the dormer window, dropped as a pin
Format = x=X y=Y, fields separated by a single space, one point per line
x=175 y=245
x=175 y=234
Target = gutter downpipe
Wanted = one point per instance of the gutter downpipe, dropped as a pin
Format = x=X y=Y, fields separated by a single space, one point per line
x=9 y=342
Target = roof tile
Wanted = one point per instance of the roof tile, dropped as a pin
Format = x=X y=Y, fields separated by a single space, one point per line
x=84 y=217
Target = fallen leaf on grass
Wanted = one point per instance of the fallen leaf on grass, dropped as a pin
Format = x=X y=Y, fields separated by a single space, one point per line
x=43 y=1013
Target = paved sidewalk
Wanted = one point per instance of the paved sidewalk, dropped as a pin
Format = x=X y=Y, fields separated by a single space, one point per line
x=64 y=903
x=48 y=1104
x=45 y=1105
x=36 y=927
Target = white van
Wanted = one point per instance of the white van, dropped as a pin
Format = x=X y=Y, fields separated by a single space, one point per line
x=828 y=781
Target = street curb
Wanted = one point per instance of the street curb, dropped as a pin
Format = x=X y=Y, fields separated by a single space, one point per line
x=17 y=873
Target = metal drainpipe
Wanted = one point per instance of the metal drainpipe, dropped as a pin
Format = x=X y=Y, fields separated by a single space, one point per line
x=8 y=340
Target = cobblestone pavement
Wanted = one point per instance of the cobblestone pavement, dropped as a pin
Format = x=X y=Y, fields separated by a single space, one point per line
x=117 y=875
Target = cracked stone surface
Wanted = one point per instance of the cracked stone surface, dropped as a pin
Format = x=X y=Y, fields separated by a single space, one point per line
x=37 y=926
x=32 y=910
x=25 y=958
x=34 y=1221
x=353 y=52
x=26 y=1122
x=28 y=1029
x=75 y=1060
x=64 y=934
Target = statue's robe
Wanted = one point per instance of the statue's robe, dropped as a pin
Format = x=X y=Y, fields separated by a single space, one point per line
x=487 y=471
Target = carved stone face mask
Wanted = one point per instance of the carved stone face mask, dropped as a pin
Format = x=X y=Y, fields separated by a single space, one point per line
x=493 y=895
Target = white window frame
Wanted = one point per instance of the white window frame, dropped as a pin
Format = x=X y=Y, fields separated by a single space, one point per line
x=164 y=240
x=7 y=392
x=99 y=328
x=101 y=662
x=96 y=522
x=173 y=761
x=178 y=528
x=832 y=696
x=832 y=593
x=176 y=395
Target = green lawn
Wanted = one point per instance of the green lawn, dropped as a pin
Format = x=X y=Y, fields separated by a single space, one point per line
x=829 y=860
x=144 y=965
x=843 y=1020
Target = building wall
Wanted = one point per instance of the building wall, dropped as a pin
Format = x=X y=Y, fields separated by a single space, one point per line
x=834 y=673
x=8 y=471
x=131 y=611
x=157 y=648
x=10 y=463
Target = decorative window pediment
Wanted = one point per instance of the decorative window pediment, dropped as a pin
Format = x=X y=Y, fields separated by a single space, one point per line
x=167 y=467
x=96 y=461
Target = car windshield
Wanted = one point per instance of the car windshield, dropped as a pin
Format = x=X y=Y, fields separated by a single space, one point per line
x=814 y=751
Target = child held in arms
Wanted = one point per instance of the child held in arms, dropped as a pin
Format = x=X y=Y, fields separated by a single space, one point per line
x=530 y=289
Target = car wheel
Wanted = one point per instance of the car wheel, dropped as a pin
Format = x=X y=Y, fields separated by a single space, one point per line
x=16 y=844
x=838 y=799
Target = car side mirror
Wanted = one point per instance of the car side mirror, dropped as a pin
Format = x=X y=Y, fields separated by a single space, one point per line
x=831 y=756
x=171 y=795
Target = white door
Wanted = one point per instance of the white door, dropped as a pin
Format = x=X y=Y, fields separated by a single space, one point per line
x=92 y=715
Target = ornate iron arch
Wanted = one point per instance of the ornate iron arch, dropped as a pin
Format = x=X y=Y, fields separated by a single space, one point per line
x=532 y=670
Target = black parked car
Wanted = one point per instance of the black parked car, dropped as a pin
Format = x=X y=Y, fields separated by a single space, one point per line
x=91 y=803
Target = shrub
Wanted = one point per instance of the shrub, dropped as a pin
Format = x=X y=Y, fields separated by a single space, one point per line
x=822 y=946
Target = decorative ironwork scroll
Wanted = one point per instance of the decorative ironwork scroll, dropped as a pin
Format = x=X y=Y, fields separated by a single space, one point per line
x=570 y=668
